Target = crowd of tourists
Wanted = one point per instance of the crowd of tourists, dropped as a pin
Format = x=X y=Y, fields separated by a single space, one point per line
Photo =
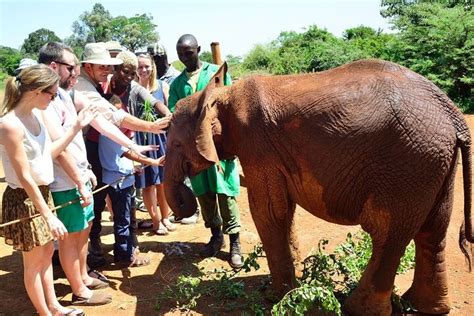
x=80 y=136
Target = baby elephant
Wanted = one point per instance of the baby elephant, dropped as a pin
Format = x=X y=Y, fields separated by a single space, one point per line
x=370 y=143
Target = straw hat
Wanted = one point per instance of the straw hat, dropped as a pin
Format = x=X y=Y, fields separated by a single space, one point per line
x=97 y=53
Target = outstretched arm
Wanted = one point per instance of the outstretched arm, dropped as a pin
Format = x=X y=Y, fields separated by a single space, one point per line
x=144 y=160
x=136 y=124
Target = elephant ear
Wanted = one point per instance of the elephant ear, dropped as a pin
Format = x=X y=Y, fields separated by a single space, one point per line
x=208 y=117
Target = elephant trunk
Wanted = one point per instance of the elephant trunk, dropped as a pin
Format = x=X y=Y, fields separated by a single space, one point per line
x=180 y=198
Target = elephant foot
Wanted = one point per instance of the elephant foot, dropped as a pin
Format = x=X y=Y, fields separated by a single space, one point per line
x=426 y=302
x=275 y=293
x=368 y=302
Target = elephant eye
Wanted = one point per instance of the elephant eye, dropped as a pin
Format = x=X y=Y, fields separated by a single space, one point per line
x=177 y=144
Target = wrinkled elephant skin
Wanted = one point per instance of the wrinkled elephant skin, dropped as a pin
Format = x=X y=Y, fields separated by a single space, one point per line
x=369 y=143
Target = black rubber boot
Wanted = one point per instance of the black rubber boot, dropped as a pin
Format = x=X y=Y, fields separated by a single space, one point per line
x=215 y=244
x=235 y=257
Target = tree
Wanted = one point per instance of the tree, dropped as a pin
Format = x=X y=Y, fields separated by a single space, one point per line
x=134 y=32
x=92 y=27
x=360 y=32
x=438 y=41
x=206 y=56
x=9 y=59
x=35 y=40
x=373 y=43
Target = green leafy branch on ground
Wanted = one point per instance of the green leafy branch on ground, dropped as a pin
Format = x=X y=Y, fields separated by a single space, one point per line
x=326 y=281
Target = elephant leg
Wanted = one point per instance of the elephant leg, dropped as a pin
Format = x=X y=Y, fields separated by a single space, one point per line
x=273 y=211
x=429 y=290
x=295 y=251
x=373 y=293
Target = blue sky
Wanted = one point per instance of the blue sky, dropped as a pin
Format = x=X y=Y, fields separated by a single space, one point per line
x=237 y=25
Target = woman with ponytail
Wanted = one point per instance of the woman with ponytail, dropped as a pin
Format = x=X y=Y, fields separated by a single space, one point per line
x=27 y=153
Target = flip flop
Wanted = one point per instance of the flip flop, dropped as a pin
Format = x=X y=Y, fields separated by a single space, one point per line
x=95 y=300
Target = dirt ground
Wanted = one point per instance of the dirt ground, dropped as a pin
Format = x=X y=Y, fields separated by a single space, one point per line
x=135 y=290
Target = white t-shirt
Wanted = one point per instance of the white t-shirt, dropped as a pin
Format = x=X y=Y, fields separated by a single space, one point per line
x=62 y=113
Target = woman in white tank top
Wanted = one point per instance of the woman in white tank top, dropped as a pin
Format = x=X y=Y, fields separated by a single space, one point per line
x=27 y=153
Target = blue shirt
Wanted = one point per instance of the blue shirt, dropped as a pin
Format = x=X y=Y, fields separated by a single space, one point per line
x=114 y=166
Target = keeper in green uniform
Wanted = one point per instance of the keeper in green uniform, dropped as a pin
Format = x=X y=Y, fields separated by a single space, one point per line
x=215 y=191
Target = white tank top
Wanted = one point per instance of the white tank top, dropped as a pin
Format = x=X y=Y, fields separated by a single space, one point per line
x=38 y=153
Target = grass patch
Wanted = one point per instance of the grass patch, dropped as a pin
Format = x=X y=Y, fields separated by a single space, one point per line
x=328 y=278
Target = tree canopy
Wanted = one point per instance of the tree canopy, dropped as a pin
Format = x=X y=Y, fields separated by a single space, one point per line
x=36 y=39
x=99 y=25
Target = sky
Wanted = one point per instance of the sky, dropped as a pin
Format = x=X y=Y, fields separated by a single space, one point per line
x=238 y=25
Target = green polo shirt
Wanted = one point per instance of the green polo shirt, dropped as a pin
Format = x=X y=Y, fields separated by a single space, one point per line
x=210 y=180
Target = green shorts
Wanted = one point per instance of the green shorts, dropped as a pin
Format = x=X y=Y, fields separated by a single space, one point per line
x=74 y=216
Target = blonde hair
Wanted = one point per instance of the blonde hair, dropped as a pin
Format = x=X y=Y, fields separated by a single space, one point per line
x=128 y=58
x=31 y=78
x=152 y=81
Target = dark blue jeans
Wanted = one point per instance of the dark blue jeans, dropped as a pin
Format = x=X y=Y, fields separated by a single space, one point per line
x=122 y=200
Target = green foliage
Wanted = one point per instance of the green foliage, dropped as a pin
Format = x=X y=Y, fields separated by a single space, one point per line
x=220 y=284
x=206 y=56
x=313 y=50
x=93 y=26
x=9 y=60
x=438 y=43
x=36 y=40
x=329 y=278
x=99 y=25
x=134 y=32
x=148 y=112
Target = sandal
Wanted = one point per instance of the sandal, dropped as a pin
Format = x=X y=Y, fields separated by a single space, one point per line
x=97 y=275
x=169 y=226
x=162 y=231
x=97 y=284
x=145 y=224
x=70 y=312
x=96 y=299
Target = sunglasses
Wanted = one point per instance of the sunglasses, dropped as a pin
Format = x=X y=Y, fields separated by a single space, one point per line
x=51 y=94
x=69 y=67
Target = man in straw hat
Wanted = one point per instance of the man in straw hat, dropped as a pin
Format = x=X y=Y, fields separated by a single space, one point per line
x=96 y=67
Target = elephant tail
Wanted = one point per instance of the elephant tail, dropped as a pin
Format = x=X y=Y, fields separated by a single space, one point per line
x=466 y=237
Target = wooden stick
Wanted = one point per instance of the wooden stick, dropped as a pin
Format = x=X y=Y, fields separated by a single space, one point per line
x=16 y=221
x=216 y=53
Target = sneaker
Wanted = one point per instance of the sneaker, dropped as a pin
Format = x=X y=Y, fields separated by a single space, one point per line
x=193 y=219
